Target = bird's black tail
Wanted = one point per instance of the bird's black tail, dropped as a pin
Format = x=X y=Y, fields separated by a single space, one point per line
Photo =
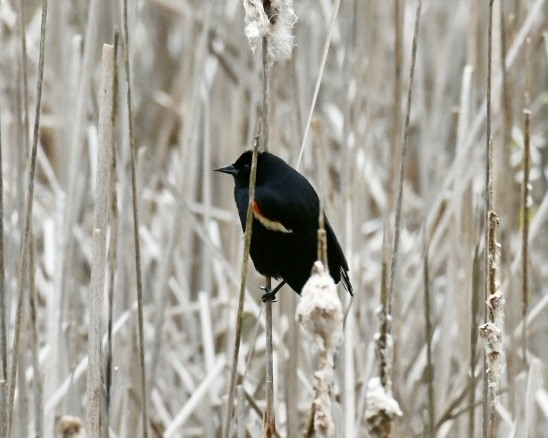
x=346 y=281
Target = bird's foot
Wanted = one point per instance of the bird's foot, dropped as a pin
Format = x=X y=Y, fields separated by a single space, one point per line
x=270 y=295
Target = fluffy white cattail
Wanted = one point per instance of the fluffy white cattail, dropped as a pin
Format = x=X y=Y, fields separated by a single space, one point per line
x=320 y=313
x=275 y=20
x=380 y=409
x=71 y=427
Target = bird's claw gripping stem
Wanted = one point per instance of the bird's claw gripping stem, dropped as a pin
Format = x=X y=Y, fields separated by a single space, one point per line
x=270 y=295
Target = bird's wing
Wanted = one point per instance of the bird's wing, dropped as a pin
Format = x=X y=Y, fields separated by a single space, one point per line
x=290 y=213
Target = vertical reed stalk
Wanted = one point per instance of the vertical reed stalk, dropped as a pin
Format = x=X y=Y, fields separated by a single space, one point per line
x=135 y=210
x=403 y=155
x=243 y=280
x=269 y=419
x=95 y=399
x=525 y=235
x=3 y=314
x=487 y=409
x=23 y=261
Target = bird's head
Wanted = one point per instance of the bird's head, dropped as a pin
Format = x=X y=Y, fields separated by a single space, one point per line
x=240 y=169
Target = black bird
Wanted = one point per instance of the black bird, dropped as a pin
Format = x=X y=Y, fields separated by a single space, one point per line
x=285 y=222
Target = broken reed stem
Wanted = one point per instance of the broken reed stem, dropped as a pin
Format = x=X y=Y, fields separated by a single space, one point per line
x=269 y=419
x=35 y=343
x=488 y=206
x=23 y=261
x=525 y=235
x=403 y=154
x=136 y=227
x=240 y=314
x=3 y=315
x=113 y=238
x=320 y=76
x=428 y=334
x=95 y=394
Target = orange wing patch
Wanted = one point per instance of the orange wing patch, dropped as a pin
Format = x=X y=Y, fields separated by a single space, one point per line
x=267 y=223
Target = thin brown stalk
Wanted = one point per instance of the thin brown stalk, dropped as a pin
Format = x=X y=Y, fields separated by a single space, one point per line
x=240 y=313
x=386 y=326
x=506 y=98
x=428 y=334
x=474 y=320
x=403 y=154
x=23 y=261
x=488 y=206
x=136 y=227
x=525 y=235
x=36 y=370
x=24 y=73
x=269 y=419
x=3 y=321
x=242 y=392
x=113 y=238
x=396 y=110
x=320 y=76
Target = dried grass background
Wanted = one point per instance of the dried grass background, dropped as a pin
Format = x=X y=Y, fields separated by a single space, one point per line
x=197 y=93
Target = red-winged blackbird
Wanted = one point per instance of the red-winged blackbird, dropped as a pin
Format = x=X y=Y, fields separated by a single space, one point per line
x=285 y=222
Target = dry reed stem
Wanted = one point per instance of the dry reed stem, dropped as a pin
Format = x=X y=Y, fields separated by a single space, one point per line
x=193 y=401
x=320 y=313
x=428 y=335
x=402 y=158
x=24 y=73
x=525 y=234
x=453 y=171
x=36 y=370
x=3 y=314
x=492 y=329
x=319 y=79
x=381 y=407
x=95 y=394
x=135 y=209
x=113 y=238
x=269 y=416
x=396 y=110
x=240 y=313
x=23 y=261
x=487 y=409
x=476 y=287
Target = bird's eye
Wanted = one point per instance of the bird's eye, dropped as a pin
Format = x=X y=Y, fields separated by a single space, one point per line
x=246 y=167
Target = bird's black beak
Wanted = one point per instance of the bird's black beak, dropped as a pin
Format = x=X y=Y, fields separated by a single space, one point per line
x=230 y=169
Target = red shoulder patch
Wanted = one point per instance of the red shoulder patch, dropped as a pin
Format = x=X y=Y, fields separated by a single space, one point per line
x=267 y=223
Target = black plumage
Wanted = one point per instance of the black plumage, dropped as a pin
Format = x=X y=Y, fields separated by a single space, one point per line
x=285 y=221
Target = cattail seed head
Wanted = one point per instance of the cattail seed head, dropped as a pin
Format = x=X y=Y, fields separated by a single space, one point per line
x=320 y=311
x=275 y=20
